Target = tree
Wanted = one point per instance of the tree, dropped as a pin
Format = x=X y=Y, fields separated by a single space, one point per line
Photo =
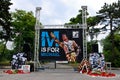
x=107 y=49
x=77 y=19
x=5 y=18
x=111 y=16
x=91 y=22
x=23 y=28
x=5 y=22
x=7 y=55
x=108 y=15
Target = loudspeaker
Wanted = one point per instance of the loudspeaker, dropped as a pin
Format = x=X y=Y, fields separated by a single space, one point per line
x=95 y=48
x=27 y=51
x=26 y=48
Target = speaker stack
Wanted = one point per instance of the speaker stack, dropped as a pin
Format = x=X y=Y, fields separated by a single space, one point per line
x=95 y=48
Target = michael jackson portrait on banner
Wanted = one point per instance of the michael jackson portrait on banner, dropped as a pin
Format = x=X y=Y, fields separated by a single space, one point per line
x=70 y=47
x=61 y=45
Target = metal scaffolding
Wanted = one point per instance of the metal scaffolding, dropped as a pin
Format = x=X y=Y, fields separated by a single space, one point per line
x=84 y=24
x=37 y=31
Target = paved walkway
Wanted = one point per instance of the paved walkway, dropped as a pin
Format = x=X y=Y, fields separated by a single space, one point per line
x=55 y=74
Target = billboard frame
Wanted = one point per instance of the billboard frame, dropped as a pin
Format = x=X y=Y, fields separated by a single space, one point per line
x=38 y=26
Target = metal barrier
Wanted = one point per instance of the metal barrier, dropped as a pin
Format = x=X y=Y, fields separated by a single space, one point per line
x=108 y=64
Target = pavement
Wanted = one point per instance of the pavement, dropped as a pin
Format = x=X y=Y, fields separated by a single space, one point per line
x=55 y=74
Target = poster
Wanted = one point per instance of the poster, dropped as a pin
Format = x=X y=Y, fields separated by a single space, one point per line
x=61 y=44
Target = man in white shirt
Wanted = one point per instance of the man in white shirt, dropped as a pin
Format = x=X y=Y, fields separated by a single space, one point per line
x=70 y=47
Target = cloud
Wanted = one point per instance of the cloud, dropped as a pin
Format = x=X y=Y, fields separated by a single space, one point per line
x=47 y=7
x=23 y=5
x=92 y=5
x=47 y=12
x=59 y=11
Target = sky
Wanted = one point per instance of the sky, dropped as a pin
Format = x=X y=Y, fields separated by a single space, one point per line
x=59 y=11
x=55 y=12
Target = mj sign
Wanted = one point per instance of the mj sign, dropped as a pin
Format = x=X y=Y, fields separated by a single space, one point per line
x=55 y=44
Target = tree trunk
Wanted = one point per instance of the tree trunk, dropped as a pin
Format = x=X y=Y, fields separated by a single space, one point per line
x=112 y=38
x=4 y=47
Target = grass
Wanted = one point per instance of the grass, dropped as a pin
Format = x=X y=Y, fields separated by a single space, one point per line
x=75 y=65
x=4 y=63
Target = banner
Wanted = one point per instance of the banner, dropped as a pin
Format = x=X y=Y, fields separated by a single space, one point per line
x=61 y=44
x=25 y=68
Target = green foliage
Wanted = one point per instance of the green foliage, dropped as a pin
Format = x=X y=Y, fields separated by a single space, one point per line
x=111 y=10
x=7 y=55
x=114 y=58
x=77 y=19
x=23 y=25
x=89 y=48
x=109 y=56
x=5 y=23
x=1 y=47
x=92 y=21
x=109 y=14
x=5 y=19
x=111 y=43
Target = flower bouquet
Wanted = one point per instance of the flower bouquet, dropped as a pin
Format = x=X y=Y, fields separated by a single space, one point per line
x=15 y=71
